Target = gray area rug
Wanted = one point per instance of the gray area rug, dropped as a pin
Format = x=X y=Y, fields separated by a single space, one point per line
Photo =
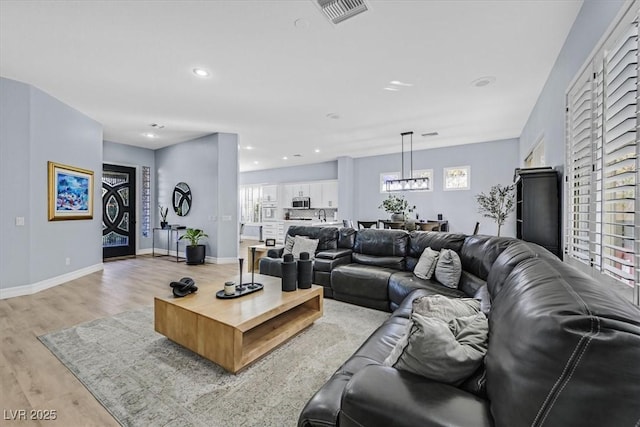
x=143 y=379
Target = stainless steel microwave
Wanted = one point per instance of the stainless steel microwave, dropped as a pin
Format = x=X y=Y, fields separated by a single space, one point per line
x=301 y=203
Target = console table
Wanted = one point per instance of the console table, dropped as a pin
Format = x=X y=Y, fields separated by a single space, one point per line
x=171 y=233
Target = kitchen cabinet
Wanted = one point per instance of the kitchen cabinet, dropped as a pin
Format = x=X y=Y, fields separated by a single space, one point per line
x=315 y=194
x=273 y=230
x=269 y=193
x=287 y=195
x=329 y=194
x=323 y=194
x=300 y=190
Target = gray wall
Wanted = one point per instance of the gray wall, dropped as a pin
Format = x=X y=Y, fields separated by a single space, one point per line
x=547 y=118
x=491 y=163
x=15 y=180
x=128 y=155
x=312 y=172
x=209 y=165
x=37 y=128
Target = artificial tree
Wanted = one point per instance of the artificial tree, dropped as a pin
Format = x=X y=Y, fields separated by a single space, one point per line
x=498 y=204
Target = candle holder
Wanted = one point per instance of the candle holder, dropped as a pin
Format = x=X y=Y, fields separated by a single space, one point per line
x=243 y=289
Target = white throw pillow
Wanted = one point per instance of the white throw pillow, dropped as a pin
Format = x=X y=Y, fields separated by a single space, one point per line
x=304 y=244
x=289 y=240
x=448 y=268
x=426 y=264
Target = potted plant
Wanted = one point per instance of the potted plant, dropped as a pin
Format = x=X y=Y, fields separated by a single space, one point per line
x=195 y=252
x=396 y=206
x=498 y=204
x=163 y=214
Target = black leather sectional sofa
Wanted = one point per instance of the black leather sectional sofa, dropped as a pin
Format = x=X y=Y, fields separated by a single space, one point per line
x=564 y=350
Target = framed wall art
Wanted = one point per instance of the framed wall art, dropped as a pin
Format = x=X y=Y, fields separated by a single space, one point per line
x=70 y=192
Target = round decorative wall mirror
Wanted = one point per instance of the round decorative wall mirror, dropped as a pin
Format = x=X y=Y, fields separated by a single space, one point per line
x=181 y=199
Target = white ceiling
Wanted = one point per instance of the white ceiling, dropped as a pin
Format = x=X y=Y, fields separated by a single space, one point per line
x=128 y=64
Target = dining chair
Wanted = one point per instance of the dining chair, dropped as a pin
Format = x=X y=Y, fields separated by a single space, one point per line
x=396 y=225
x=476 y=228
x=367 y=224
x=429 y=226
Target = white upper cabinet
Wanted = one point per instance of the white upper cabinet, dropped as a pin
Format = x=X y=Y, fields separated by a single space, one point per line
x=329 y=194
x=301 y=190
x=323 y=194
x=315 y=194
x=269 y=193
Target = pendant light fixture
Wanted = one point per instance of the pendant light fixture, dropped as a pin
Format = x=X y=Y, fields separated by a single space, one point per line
x=410 y=183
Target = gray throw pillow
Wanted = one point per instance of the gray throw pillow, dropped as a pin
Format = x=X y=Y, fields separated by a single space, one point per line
x=444 y=351
x=304 y=244
x=289 y=240
x=445 y=308
x=426 y=264
x=448 y=268
x=482 y=295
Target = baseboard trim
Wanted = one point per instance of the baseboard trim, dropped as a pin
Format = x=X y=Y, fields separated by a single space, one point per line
x=147 y=251
x=18 y=291
x=215 y=260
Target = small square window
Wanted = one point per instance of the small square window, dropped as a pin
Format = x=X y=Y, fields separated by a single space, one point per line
x=457 y=178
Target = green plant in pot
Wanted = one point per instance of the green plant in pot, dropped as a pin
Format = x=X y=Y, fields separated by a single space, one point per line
x=396 y=206
x=498 y=204
x=163 y=215
x=195 y=252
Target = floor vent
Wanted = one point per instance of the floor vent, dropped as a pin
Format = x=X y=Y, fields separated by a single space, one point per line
x=340 y=10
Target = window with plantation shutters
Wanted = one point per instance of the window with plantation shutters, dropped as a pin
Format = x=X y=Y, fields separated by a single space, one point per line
x=619 y=156
x=602 y=161
x=579 y=153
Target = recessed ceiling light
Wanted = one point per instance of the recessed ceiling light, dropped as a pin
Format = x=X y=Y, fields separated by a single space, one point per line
x=285 y=158
x=399 y=83
x=248 y=147
x=334 y=116
x=483 y=81
x=317 y=150
x=200 y=72
x=301 y=23
x=149 y=135
x=391 y=89
x=255 y=162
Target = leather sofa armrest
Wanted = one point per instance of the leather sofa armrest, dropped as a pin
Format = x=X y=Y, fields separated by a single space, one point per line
x=334 y=253
x=381 y=395
x=275 y=253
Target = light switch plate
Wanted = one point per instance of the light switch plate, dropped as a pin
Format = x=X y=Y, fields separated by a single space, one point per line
x=19 y=221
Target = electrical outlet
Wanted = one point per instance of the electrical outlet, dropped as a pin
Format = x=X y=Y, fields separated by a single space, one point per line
x=226 y=217
x=19 y=221
x=67 y=261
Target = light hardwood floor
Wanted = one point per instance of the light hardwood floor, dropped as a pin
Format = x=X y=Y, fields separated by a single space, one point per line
x=33 y=379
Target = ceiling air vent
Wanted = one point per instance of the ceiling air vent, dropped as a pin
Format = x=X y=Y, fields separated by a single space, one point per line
x=341 y=10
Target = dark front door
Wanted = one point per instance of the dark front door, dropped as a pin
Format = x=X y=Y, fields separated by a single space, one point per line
x=118 y=211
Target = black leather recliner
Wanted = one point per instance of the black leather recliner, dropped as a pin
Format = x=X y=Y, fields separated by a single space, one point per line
x=334 y=249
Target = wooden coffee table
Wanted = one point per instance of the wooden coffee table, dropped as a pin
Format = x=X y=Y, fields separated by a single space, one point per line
x=236 y=332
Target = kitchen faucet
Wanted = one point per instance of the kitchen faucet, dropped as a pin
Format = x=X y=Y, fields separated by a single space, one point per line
x=322 y=215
